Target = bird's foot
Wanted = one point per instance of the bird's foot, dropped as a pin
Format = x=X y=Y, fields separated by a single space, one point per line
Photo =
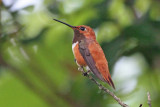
x=86 y=73
x=80 y=68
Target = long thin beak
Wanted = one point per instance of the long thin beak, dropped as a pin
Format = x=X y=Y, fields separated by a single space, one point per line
x=65 y=23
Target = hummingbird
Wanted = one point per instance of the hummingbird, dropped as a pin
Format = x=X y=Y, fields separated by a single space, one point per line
x=88 y=53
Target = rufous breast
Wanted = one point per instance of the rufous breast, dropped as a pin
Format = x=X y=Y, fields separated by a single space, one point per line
x=79 y=59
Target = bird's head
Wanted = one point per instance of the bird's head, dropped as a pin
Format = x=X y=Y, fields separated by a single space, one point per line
x=81 y=31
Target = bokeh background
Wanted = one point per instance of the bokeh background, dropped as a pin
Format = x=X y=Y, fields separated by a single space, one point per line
x=37 y=67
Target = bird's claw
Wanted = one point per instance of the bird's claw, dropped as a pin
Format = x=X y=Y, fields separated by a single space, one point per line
x=80 y=68
x=85 y=73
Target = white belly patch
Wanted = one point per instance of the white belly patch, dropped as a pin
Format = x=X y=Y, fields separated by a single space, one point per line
x=73 y=45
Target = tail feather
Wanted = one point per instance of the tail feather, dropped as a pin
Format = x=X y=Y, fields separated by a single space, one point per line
x=110 y=82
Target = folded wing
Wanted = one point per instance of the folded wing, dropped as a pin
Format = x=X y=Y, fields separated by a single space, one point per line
x=96 y=61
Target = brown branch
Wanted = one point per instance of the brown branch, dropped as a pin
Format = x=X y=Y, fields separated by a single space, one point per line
x=149 y=99
x=101 y=87
x=140 y=105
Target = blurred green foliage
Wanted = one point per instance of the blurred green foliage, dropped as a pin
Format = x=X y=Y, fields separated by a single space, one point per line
x=37 y=65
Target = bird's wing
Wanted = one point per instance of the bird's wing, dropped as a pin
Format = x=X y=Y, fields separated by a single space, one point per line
x=89 y=59
x=93 y=52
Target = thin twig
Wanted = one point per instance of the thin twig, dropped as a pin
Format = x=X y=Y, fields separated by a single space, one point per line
x=140 y=105
x=101 y=87
x=149 y=99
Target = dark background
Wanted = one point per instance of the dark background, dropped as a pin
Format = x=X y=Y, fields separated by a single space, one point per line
x=37 y=67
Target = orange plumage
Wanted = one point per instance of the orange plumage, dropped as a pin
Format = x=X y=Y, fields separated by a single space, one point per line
x=101 y=62
x=78 y=56
x=88 y=52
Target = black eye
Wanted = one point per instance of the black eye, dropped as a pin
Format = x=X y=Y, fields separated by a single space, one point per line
x=82 y=28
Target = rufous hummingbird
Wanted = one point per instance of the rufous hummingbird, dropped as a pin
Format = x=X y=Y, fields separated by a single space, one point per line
x=88 y=53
